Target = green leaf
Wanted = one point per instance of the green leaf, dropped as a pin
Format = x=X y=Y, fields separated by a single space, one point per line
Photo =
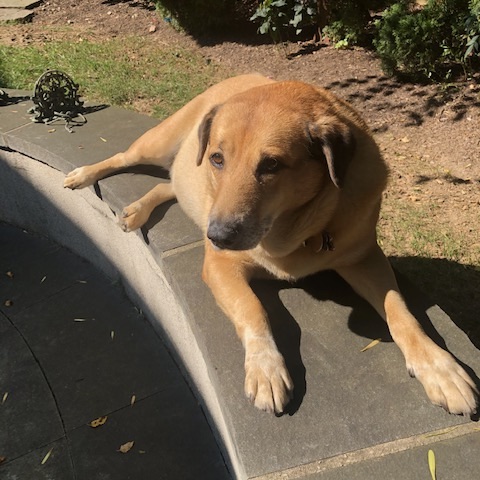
x=264 y=27
x=296 y=19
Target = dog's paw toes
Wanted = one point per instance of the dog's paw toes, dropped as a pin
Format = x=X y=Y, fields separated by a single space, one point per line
x=133 y=217
x=268 y=384
x=447 y=384
x=77 y=178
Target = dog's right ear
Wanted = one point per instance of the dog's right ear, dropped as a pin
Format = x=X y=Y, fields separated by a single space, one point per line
x=204 y=133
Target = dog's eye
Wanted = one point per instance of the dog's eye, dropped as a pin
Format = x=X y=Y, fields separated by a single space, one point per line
x=268 y=165
x=216 y=159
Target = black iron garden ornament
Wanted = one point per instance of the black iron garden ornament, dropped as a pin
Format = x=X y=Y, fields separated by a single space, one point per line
x=55 y=97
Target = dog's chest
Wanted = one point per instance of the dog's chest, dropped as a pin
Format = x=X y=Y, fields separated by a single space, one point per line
x=300 y=263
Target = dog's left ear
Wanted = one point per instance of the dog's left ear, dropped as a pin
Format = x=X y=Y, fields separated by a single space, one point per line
x=334 y=141
x=204 y=133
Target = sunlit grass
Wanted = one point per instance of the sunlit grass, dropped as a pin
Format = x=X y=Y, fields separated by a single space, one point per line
x=122 y=72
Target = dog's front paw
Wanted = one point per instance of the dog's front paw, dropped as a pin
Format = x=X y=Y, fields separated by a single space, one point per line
x=78 y=178
x=267 y=382
x=134 y=216
x=445 y=381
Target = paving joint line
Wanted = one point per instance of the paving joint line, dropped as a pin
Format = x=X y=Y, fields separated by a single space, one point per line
x=52 y=392
x=18 y=127
x=371 y=453
x=181 y=249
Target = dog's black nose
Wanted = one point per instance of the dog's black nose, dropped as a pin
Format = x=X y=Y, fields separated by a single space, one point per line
x=223 y=235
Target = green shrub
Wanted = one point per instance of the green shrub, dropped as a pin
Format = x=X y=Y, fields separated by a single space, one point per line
x=348 y=23
x=472 y=27
x=201 y=17
x=425 y=42
x=279 y=17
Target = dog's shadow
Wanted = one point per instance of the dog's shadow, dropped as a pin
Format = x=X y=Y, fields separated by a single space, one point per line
x=363 y=320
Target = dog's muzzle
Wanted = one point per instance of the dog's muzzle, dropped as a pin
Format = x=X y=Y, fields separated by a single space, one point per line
x=234 y=235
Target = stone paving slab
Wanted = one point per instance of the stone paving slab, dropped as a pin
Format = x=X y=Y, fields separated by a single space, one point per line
x=345 y=399
x=58 y=466
x=28 y=415
x=61 y=374
x=91 y=317
x=107 y=131
x=14 y=14
x=15 y=114
x=25 y=289
x=19 y=3
x=455 y=459
x=184 y=453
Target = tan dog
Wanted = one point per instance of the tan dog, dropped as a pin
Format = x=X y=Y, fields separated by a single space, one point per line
x=284 y=178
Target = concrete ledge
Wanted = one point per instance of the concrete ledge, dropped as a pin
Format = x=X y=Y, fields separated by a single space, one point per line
x=14 y=15
x=345 y=400
x=17 y=10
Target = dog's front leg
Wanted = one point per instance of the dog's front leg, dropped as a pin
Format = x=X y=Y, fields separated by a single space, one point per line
x=87 y=175
x=267 y=381
x=445 y=381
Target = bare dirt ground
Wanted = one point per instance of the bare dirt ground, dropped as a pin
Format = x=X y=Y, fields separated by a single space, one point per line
x=429 y=134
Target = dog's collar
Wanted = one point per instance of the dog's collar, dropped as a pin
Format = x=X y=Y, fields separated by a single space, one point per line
x=321 y=242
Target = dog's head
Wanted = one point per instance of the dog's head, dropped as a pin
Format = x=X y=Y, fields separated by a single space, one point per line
x=271 y=150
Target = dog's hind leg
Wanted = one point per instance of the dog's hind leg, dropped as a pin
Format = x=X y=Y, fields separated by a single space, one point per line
x=137 y=213
x=445 y=381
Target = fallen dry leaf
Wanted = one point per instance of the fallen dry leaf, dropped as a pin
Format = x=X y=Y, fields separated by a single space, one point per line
x=371 y=344
x=46 y=457
x=8 y=303
x=9 y=274
x=98 y=422
x=51 y=130
x=126 y=447
x=431 y=464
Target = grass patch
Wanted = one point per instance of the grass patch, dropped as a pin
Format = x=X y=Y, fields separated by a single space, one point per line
x=437 y=258
x=408 y=229
x=128 y=72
